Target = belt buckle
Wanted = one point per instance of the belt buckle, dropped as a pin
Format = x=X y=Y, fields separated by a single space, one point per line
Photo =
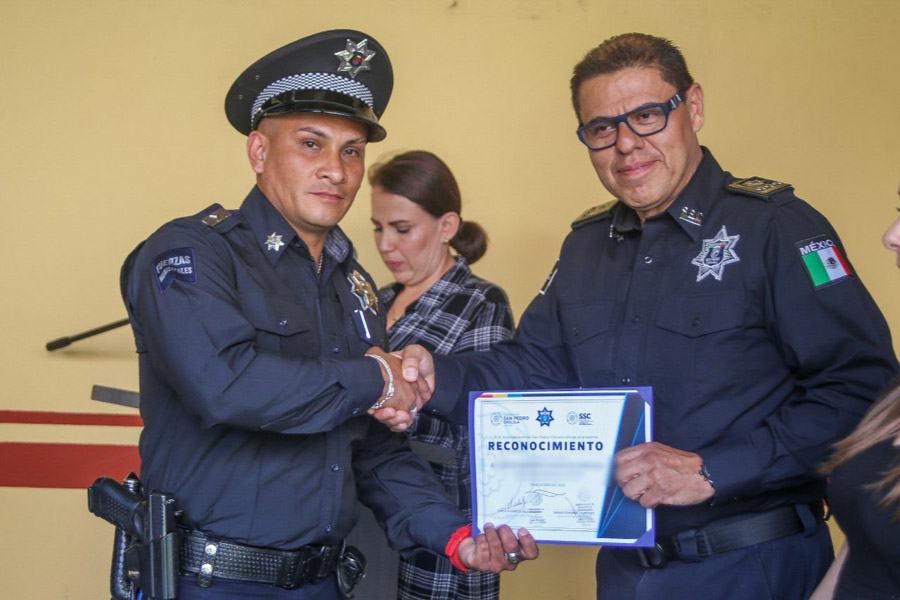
x=309 y=559
x=653 y=558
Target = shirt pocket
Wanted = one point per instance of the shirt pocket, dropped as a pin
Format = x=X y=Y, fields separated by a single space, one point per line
x=696 y=354
x=699 y=316
x=281 y=325
x=586 y=331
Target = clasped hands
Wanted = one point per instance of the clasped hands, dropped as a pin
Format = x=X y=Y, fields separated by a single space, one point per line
x=497 y=548
x=413 y=376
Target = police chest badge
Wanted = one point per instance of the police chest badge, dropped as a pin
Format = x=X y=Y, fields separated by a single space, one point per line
x=363 y=291
x=715 y=254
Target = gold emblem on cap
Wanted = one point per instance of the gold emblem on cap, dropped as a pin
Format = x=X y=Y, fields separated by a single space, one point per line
x=363 y=291
x=355 y=58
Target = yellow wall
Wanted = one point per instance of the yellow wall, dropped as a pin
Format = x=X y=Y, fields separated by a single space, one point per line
x=112 y=123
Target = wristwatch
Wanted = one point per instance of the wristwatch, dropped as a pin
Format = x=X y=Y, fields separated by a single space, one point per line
x=704 y=473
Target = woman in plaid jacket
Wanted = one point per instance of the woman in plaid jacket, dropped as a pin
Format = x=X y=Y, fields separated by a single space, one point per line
x=437 y=302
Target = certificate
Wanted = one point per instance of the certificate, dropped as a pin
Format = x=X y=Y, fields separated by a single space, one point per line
x=543 y=460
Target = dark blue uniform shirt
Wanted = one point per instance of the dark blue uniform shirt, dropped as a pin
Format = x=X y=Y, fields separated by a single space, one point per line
x=753 y=365
x=254 y=387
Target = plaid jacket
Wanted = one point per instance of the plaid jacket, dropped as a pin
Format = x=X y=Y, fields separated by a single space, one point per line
x=459 y=313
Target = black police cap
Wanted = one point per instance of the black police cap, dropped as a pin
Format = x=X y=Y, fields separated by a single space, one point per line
x=340 y=72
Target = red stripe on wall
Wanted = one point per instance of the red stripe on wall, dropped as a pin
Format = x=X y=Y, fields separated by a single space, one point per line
x=64 y=465
x=60 y=418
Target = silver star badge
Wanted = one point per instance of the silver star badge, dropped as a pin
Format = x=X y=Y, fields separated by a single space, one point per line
x=715 y=253
x=273 y=242
x=355 y=58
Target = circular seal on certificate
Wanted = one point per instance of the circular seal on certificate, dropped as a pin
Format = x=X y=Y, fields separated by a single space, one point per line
x=533 y=498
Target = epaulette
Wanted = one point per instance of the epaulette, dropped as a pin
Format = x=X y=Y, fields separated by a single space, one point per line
x=215 y=217
x=758 y=187
x=593 y=214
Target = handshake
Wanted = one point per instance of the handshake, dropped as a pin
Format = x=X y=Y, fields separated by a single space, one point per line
x=408 y=385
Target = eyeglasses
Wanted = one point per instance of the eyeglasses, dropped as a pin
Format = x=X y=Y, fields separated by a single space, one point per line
x=643 y=121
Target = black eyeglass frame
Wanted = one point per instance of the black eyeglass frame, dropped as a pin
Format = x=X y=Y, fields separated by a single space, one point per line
x=667 y=107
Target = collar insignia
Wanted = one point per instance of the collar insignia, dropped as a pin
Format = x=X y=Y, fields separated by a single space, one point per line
x=691 y=215
x=363 y=291
x=273 y=242
x=715 y=253
x=355 y=58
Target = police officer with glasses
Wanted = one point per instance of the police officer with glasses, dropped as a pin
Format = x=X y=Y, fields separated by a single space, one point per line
x=735 y=301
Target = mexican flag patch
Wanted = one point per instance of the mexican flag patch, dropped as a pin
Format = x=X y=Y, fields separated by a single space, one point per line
x=824 y=262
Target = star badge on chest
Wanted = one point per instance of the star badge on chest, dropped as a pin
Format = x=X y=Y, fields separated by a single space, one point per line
x=363 y=291
x=715 y=253
x=273 y=242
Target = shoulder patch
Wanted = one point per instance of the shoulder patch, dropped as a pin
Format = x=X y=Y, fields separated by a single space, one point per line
x=824 y=262
x=593 y=214
x=177 y=263
x=758 y=187
x=215 y=217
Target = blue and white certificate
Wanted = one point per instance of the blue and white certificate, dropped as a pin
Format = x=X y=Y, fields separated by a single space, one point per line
x=544 y=460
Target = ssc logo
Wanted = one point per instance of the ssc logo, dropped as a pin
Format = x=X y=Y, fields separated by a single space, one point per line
x=579 y=418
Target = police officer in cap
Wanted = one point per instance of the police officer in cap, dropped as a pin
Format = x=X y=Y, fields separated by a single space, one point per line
x=259 y=340
x=735 y=301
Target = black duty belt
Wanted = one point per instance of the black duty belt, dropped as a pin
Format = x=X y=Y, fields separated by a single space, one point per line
x=289 y=569
x=732 y=534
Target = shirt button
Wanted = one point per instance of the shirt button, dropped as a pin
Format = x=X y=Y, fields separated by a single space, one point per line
x=635 y=319
x=355 y=411
x=648 y=260
x=335 y=350
x=335 y=467
x=328 y=528
x=626 y=380
x=574 y=332
x=282 y=323
x=696 y=321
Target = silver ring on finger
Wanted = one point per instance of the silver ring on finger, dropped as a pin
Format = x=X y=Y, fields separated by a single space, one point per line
x=413 y=411
x=513 y=557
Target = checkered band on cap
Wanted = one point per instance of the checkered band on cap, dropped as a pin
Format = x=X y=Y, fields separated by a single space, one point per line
x=313 y=81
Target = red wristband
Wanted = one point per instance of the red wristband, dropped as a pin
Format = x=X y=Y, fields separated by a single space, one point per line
x=452 y=549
